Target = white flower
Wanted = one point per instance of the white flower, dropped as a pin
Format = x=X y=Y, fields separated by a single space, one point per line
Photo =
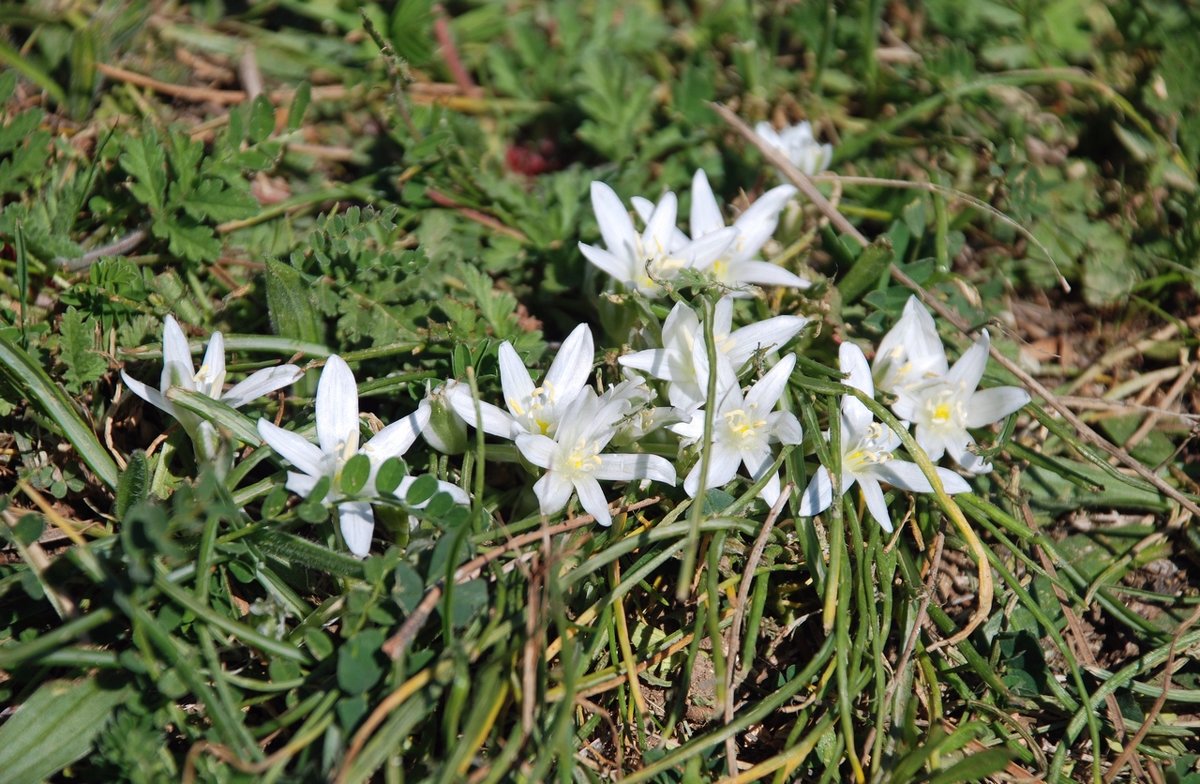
x=531 y=409
x=208 y=380
x=738 y=265
x=910 y=353
x=642 y=262
x=799 y=145
x=743 y=429
x=337 y=442
x=943 y=408
x=573 y=459
x=683 y=359
x=867 y=448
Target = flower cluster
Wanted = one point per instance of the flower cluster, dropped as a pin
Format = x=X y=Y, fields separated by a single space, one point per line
x=700 y=392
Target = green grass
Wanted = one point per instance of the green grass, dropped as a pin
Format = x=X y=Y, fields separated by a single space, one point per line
x=408 y=192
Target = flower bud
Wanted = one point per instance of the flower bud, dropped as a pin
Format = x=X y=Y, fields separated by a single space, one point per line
x=446 y=431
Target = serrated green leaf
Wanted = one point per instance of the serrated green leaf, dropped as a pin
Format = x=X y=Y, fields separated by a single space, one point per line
x=142 y=157
x=55 y=727
x=83 y=364
x=213 y=200
x=195 y=243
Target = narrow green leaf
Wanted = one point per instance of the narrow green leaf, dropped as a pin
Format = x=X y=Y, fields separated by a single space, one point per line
x=292 y=310
x=134 y=483
x=262 y=120
x=300 y=102
x=27 y=376
x=220 y=414
x=27 y=68
x=867 y=270
x=55 y=727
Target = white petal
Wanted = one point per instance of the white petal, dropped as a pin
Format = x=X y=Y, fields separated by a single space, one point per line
x=537 y=449
x=454 y=491
x=656 y=239
x=763 y=273
x=337 y=406
x=680 y=326
x=759 y=221
x=818 y=495
x=616 y=227
x=293 y=447
x=785 y=427
x=572 y=365
x=854 y=365
x=491 y=419
x=301 y=484
x=967 y=459
x=175 y=350
x=149 y=394
x=722 y=317
x=767 y=390
x=992 y=405
x=212 y=367
x=643 y=207
x=514 y=378
x=261 y=382
x=357 y=522
x=770 y=491
x=876 y=503
x=970 y=366
x=652 y=360
x=933 y=442
x=618 y=268
x=626 y=467
x=722 y=468
x=395 y=439
x=952 y=482
x=552 y=492
x=591 y=498
x=767 y=335
x=706 y=214
x=903 y=474
x=701 y=253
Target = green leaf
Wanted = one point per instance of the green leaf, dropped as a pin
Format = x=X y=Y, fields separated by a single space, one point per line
x=868 y=268
x=220 y=414
x=358 y=665
x=83 y=364
x=213 y=200
x=409 y=587
x=262 y=119
x=355 y=474
x=191 y=242
x=300 y=102
x=134 y=483
x=467 y=600
x=144 y=160
x=27 y=376
x=389 y=476
x=421 y=490
x=55 y=727
x=976 y=766
x=290 y=304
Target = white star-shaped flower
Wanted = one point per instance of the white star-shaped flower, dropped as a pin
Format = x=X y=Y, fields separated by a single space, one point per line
x=799 y=145
x=867 y=458
x=208 y=380
x=744 y=427
x=531 y=408
x=574 y=459
x=643 y=262
x=337 y=442
x=685 y=367
x=738 y=266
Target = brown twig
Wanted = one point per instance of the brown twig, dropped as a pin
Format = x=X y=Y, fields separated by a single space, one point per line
x=209 y=94
x=1168 y=400
x=473 y=214
x=739 y=612
x=1078 y=638
x=449 y=51
x=395 y=645
x=1127 y=753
